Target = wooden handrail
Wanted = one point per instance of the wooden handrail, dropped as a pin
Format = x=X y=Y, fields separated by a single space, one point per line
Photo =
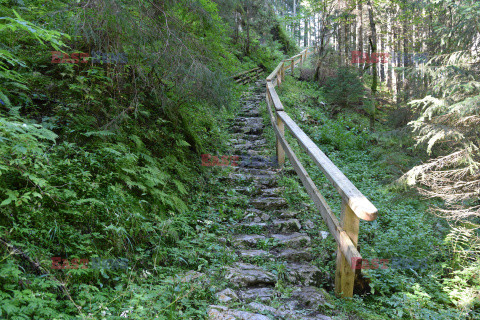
x=355 y=205
x=360 y=205
x=246 y=76
x=238 y=75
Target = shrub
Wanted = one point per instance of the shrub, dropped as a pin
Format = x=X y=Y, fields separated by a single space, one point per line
x=345 y=89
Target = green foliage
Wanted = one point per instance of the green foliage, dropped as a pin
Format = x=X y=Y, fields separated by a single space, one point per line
x=345 y=89
x=104 y=160
x=404 y=228
x=288 y=45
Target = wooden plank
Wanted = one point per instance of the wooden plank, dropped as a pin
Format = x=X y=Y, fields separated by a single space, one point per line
x=276 y=100
x=281 y=134
x=269 y=106
x=274 y=73
x=344 y=273
x=282 y=71
x=362 y=207
x=245 y=72
x=346 y=246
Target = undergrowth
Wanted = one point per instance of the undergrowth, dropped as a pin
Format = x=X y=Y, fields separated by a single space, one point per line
x=404 y=228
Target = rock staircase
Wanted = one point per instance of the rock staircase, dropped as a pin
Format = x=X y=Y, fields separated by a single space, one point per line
x=269 y=234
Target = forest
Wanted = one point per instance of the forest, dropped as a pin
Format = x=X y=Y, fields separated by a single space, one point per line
x=240 y=159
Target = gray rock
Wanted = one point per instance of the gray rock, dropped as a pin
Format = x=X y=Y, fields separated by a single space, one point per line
x=305 y=274
x=254 y=253
x=240 y=177
x=262 y=294
x=194 y=276
x=287 y=225
x=265 y=181
x=269 y=203
x=255 y=224
x=289 y=214
x=309 y=224
x=247 y=240
x=295 y=255
x=324 y=234
x=258 y=172
x=293 y=240
x=227 y=295
x=310 y=297
x=244 y=275
x=261 y=307
x=224 y=313
x=272 y=192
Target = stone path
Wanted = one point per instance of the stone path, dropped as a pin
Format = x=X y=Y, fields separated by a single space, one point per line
x=269 y=234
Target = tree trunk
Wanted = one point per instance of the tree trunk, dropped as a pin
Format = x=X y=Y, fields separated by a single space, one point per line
x=373 y=46
x=306 y=33
x=247 y=46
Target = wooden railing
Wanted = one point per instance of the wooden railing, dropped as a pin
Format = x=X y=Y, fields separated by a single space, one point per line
x=247 y=76
x=355 y=205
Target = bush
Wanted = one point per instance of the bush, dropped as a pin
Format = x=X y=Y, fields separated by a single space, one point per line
x=345 y=89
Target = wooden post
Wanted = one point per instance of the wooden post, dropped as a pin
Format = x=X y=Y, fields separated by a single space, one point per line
x=280 y=151
x=282 y=70
x=293 y=66
x=344 y=274
x=279 y=77
x=269 y=99
x=301 y=61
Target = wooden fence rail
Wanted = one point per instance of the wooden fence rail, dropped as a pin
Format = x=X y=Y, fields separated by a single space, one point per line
x=247 y=76
x=355 y=205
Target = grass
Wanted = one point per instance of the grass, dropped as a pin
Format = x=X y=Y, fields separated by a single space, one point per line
x=404 y=228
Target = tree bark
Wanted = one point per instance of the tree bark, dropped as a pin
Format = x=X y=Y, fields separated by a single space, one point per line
x=373 y=46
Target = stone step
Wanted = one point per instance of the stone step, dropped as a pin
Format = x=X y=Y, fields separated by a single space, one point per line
x=294 y=255
x=247 y=240
x=254 y=254
x=252 y=227
x=256 y=162
x=303 y=300
x=243 y=139
x=251 y=130
x=226 y=296
x=303 y=273
x=270 y=203
x=249 y=275
x=266 y=181
x=245 y=190
x=256 y=171
x=308 y=297
x=271 y=192
x=223 y=313
x=239 y=177
x=262 y=294
x=287 y=225
x=243 y=147
x=250 y=113
x=288 y=214
x=292 y=240
x=255 y=215
x=248 y=119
